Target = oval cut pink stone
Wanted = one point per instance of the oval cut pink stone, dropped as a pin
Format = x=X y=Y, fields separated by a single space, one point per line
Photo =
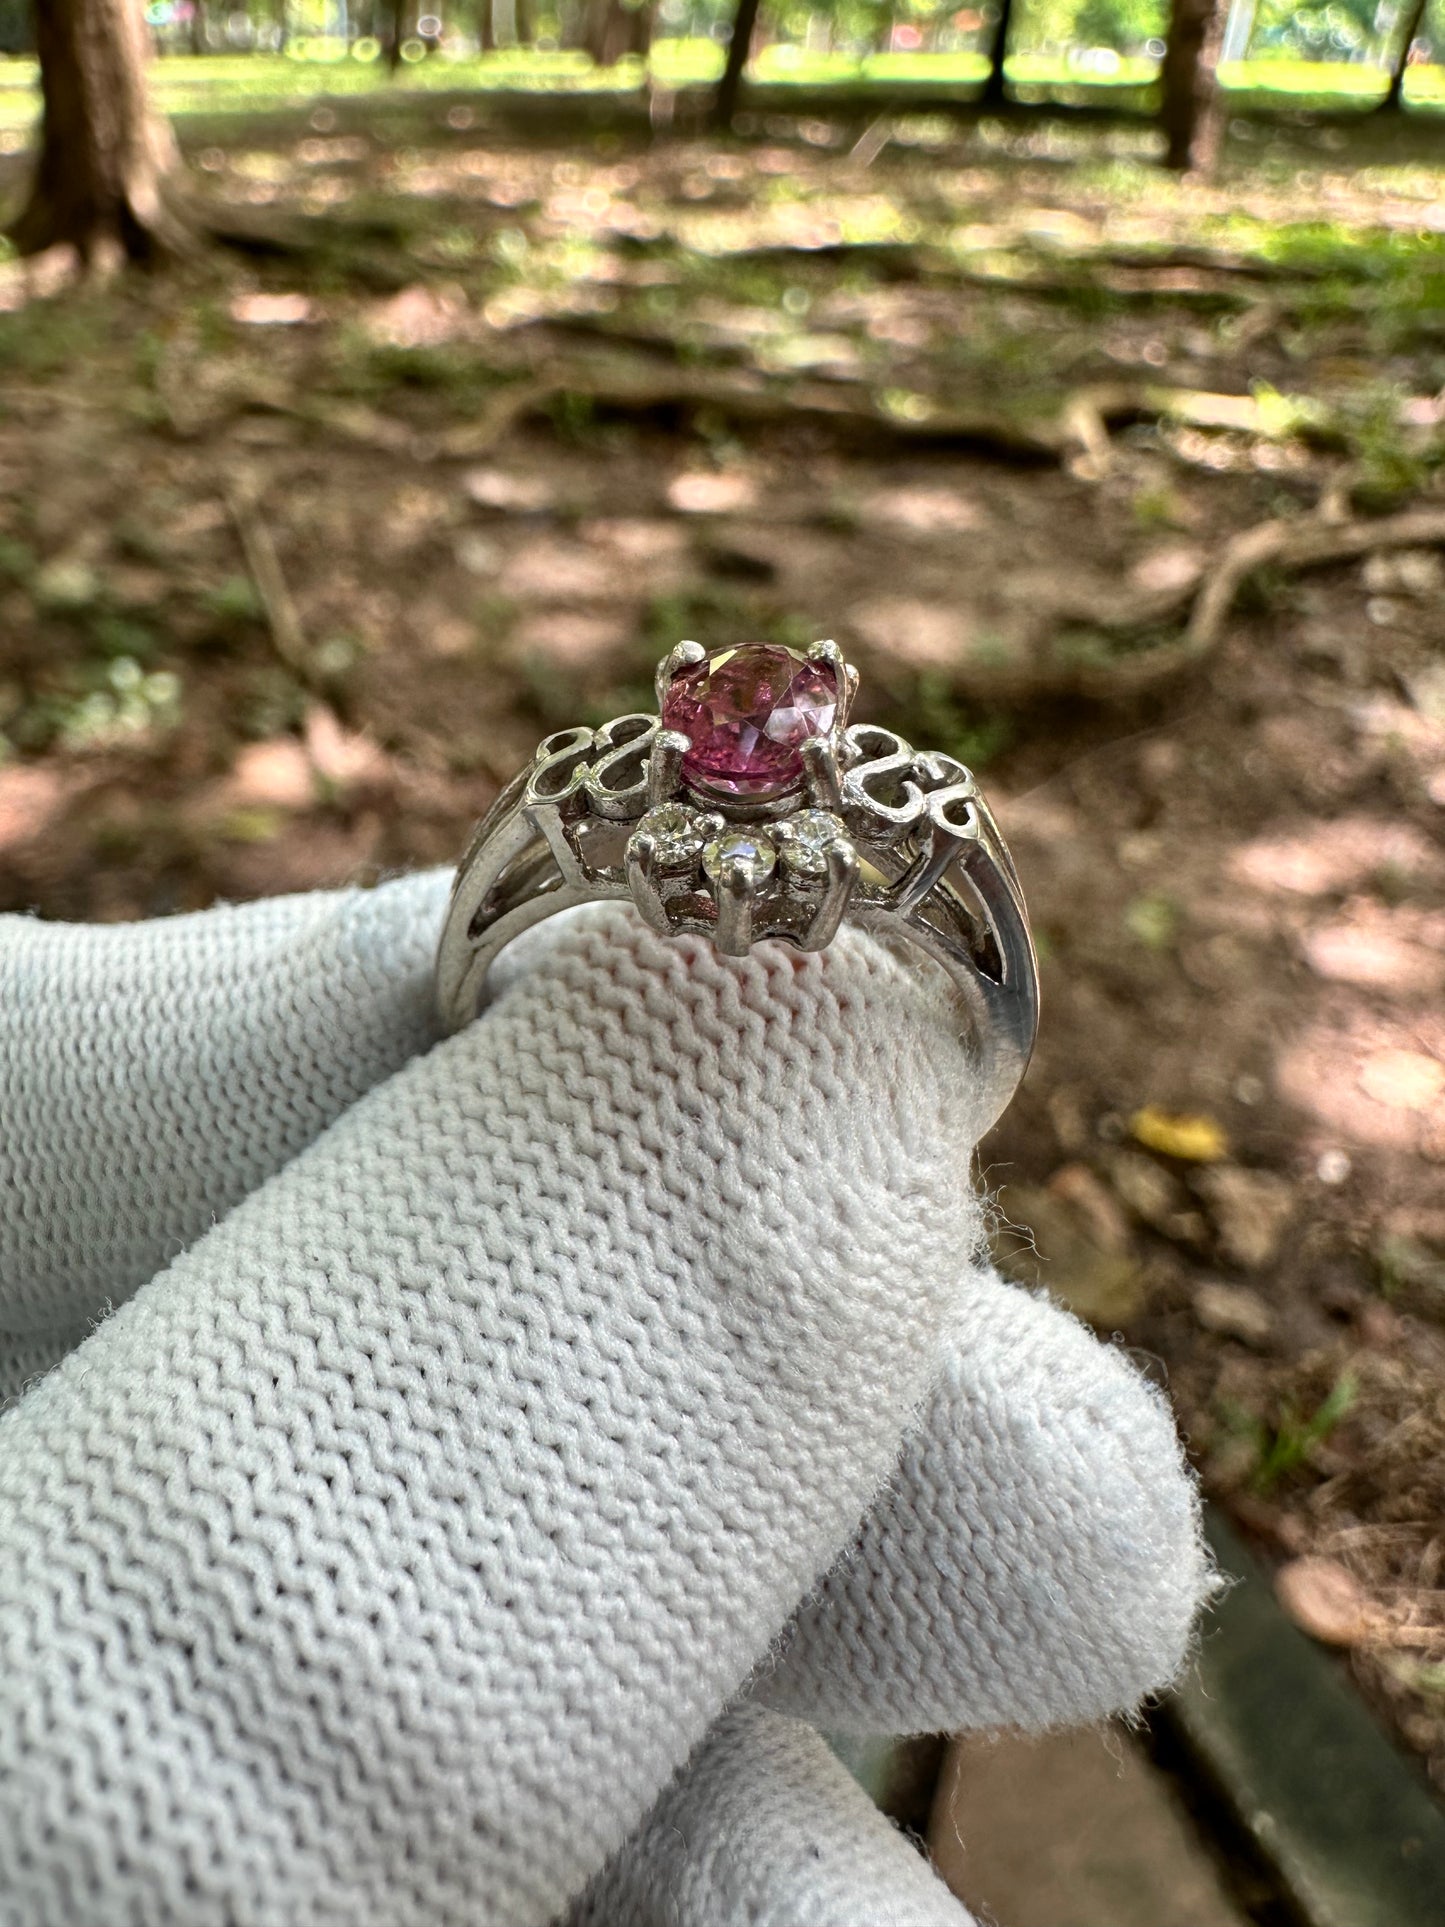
x=746 y=712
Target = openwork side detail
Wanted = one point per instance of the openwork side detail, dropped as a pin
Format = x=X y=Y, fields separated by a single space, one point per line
x=770 y=817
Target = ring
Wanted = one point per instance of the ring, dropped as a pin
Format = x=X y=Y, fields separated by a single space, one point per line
x=750 y=808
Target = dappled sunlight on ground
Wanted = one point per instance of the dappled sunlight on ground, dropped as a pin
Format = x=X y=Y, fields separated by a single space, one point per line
x=301 y=553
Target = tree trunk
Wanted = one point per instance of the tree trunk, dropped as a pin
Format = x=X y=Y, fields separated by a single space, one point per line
x=994 y=94
x=198 y=25
x=395 y=33
x=525 y=22
x=1190 y=112
x=611 y=31
x=487 y=26
x=105 y=157
x=725 y=102
x=1395 y=94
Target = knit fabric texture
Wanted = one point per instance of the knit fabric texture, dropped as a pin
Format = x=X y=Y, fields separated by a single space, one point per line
x=155 y=1073
x=386 y=1554
x=1038 y=1558
x=767 y=1829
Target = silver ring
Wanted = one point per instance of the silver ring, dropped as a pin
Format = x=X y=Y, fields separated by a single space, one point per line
x=750 y=808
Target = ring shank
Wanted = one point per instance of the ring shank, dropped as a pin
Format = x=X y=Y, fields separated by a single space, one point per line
x=971 y=922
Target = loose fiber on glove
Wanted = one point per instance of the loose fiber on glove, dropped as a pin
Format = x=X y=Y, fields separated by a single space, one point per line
x=1038 y=1559
x=768 y=1829
x=152 y=1074
x=385 y=1556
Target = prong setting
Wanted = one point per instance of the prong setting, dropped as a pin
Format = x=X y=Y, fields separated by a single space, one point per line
x=739 y=865
x=641 y=862
x=822 y=774
x=664 y=767
x=842 y=863
x=682 y=657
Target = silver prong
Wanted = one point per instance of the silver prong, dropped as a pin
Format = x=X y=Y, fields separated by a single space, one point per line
x=682 y=657
x=821 y=773
x=641 y=863
x=736 y=887
x=842 y=875
x=847 y=675
x=664 y=766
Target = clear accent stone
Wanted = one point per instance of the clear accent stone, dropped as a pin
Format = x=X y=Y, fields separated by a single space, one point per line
x=803 y=841
x=678 y=832
x=755 y=853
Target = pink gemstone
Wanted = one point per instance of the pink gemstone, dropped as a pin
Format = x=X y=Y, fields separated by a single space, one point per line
x=746 y=712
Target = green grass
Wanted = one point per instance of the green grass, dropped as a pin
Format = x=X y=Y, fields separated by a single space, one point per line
x=246 y=83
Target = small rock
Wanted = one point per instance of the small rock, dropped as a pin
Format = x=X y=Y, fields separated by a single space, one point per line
x=1250 y=1210
x=1333 y=1167
x=1411 y=572
x=1427 y=691
x=1105 y=1287
x=1234 y=1311
x=704 y=492
x=1094 y=1203
x=1068 y=1113
x=271 y=310
x=494 y=488
x=1380 y=1326
x=1154 y=1195
x=477 y=553
x=65 y=583
x=1326 y=1601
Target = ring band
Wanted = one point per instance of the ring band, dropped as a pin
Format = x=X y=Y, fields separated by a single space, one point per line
x=765 y=814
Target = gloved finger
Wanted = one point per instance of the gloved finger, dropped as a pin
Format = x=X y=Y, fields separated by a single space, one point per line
x=1037 y=1559
x=386 y=1556
x=153 y=1074
x=766 y=1828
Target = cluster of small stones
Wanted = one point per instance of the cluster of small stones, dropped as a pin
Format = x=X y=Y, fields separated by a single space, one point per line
x=683 y=837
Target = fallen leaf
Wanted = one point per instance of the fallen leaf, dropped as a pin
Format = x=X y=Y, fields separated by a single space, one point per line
x=1326 y=1601
x=1192 y=1137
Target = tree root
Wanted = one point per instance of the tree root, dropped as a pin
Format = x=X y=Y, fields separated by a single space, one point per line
x=1210 y=597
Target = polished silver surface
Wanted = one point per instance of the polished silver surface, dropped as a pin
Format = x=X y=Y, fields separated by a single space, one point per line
x=894 y=839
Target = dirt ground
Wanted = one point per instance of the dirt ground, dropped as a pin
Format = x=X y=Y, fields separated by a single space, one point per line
x=301 y=550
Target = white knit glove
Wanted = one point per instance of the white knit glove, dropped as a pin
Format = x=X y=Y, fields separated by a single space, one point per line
x=476 y=1415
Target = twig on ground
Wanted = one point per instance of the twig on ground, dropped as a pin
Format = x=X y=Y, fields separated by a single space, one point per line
x=872 y=141
x=264 y=566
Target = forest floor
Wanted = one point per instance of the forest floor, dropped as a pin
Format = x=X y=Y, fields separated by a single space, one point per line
x=300 y=553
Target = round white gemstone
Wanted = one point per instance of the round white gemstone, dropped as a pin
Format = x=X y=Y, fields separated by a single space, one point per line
x=744 y=849
x=676 y=832
x=804 y=841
